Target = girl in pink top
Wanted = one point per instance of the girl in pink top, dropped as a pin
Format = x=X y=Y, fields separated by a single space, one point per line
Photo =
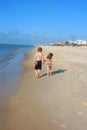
x=49 y=64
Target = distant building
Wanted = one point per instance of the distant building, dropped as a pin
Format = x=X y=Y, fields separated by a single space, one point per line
x=71 y=43
x=84 y=42
x=81 y=42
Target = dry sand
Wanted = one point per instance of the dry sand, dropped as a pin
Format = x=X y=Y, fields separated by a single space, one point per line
x=51 y=103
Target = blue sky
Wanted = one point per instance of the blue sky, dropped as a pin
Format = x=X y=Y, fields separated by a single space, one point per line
x=46 y=20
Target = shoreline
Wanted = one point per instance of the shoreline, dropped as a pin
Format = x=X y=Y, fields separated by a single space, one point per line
x=51 y=103
x=9 y=79
x=10 y=75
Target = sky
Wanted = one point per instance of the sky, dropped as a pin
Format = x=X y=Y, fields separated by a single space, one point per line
x=42 y=20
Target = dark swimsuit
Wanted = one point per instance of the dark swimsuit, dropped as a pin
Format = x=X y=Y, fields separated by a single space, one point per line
x=38 y=65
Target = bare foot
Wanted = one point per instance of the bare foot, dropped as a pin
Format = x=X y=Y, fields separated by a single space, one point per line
x=37 y=76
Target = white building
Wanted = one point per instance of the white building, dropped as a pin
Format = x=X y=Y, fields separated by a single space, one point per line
x=81 y=42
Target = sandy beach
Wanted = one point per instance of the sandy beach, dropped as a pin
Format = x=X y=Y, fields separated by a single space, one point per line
x=51 y=103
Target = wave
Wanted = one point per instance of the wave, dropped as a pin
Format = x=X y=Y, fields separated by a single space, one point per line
x=8 y=52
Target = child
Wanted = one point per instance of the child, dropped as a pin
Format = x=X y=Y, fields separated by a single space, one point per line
x=49 y=64
x=38 y=60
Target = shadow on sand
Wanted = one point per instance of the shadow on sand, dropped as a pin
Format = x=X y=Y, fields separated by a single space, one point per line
x=55 y=72
x=58 y=71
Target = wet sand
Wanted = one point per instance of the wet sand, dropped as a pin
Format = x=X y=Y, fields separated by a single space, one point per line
x=51 y=103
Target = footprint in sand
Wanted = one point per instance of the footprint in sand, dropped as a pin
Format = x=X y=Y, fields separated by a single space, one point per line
x=84 y=103
x=80 y=113
x=63 y=126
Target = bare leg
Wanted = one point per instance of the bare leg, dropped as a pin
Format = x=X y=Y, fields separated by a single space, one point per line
x=39 y=71
x=47 y=70
x=50 y=69
x=36 y=71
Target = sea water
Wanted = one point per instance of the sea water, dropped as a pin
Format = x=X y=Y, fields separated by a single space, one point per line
x=8 y=52
x=10 y=67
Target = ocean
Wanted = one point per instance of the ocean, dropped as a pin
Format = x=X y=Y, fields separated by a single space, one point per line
x=10 y=68
x=8 y=52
